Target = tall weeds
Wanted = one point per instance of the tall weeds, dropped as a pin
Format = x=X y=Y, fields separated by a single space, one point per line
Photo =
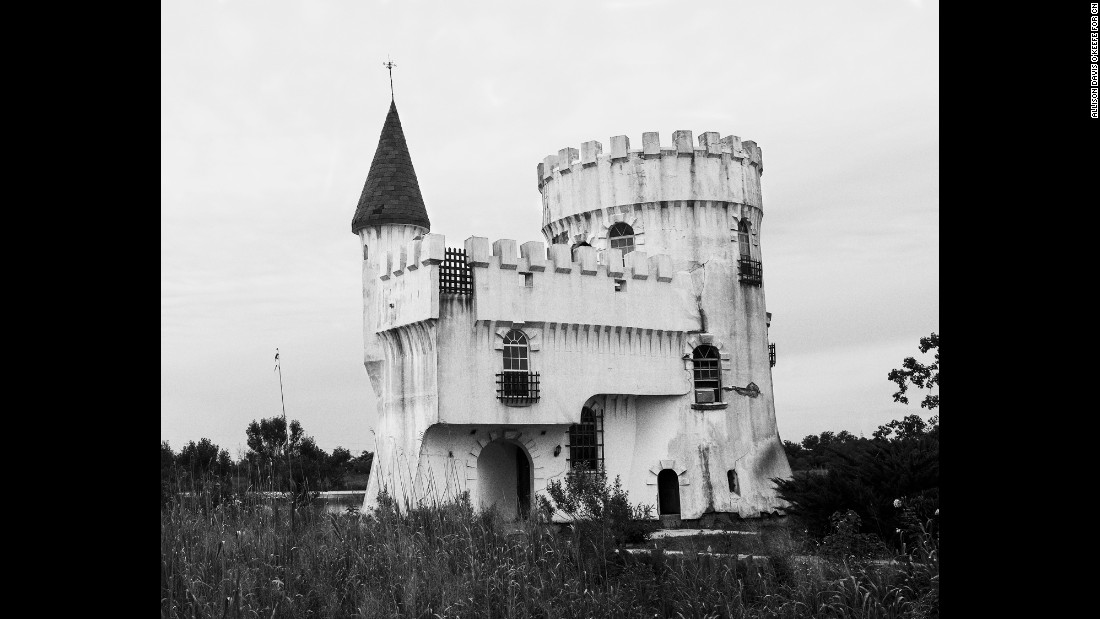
x=248 y=557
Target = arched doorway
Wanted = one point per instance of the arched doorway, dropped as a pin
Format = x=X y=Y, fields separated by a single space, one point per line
x=668 y=493
x=504 y=479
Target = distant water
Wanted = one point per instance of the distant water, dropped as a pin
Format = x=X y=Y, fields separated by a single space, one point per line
x=339 y=502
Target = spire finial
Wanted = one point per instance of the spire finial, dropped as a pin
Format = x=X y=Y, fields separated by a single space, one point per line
x=389 y=64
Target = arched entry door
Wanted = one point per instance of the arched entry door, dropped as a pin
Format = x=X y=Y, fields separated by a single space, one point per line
x=504 y=479
x=668 y=493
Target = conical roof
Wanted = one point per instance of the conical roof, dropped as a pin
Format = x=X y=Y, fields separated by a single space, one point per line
x=391 y=194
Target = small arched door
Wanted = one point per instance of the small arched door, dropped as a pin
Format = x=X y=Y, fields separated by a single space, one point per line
x=668 y=493
x=504 y=479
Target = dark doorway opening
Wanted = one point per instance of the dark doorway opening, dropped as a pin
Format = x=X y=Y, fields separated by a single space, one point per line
x=668 y=493
x=523 y=484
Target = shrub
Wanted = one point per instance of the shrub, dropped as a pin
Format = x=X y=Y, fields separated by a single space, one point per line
x=867 y=480
x=847 y=543
x=598 y=509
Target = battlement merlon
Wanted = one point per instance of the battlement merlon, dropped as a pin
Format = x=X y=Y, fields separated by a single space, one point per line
x=575 y=181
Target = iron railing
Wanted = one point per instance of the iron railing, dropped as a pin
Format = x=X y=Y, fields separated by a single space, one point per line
x=518 y=387
x=454 y=276
x=750 y=272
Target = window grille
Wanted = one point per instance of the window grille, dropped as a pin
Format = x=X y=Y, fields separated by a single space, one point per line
x=621 y=236
x=517 y=384
x=454 y=277
x=707 y=374
x=586 y=442
x=518 y=387
x=771 y=354
x=750 y=272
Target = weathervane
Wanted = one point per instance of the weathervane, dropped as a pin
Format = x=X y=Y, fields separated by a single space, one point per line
x=389 y=64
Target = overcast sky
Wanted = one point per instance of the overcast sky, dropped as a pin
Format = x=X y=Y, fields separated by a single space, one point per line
x=271 y=112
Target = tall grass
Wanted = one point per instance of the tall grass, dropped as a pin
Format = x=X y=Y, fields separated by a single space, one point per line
x=248 y=556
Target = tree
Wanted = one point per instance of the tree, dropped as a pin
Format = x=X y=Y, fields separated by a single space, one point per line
x=919 y=375
x=868 y=481
x=909 y=427
x=267 y=439
x=293 y=461
x=361 y=464
x=167 y=472
x=204 y=457
x=819 y=452
x=202 y=470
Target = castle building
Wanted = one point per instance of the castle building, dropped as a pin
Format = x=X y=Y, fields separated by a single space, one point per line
x=635 y=338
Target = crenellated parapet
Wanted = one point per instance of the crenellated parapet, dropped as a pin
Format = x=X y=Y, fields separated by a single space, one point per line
x=716 y=170
x=553 y=284
x=408 y=286
x=531 y=282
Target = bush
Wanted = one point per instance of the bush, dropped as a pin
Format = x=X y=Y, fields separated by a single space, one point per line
x=597 y=509
x=847 y=543
x=867 y=481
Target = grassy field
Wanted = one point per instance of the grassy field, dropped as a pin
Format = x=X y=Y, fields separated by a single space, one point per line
x=241 y=558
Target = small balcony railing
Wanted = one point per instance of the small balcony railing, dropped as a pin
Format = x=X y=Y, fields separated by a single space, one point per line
x=454 y=274
x=518 y=388
x=750 y=272
x=771 y=354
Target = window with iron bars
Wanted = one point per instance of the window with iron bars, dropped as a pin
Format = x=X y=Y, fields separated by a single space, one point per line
x=750 y=272
x=516 y=384
x=518 y=388
x=707 y=372
x=586 y=442
x=771 y=354
x=454 y=273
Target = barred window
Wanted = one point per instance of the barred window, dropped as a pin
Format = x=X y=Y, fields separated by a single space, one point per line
x=586 y=441
x=621 y=236
x=514 y=379
x=707 y=372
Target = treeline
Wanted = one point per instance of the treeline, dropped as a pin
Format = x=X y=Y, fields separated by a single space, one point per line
x=818 y=452
x=277 y=460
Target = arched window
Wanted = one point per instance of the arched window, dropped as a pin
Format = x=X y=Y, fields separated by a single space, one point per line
x=707 y=374
x=743 y=237
x=586 y=441
x=731 y=477
x=621 y=236
x=514 y=383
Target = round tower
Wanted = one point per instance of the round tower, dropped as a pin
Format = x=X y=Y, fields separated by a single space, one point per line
x=390 y=213
x=701 y=205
